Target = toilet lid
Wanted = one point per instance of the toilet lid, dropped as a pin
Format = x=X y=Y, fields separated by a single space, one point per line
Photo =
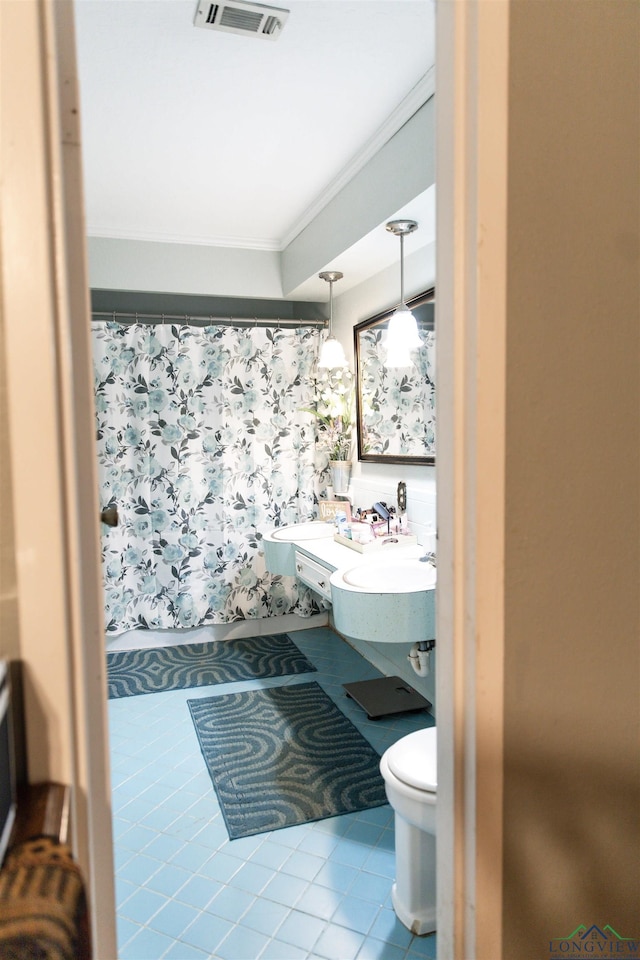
x=413 y=759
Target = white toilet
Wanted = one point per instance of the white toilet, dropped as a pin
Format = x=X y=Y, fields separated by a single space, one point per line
x=409 y=768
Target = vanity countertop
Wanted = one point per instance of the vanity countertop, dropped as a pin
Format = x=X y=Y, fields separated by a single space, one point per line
x=327 y=552
x=336 y=556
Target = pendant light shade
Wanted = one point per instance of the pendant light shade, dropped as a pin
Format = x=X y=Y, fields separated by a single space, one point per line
x=398 y=355
x=402 y=330
x=332 y=352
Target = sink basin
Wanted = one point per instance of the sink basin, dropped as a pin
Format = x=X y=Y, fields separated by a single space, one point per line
x=390 y=602
x=280 y=544
x=310 y=530
x=399 y=576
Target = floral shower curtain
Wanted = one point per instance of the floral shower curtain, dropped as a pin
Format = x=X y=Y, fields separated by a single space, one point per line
x=201 y=445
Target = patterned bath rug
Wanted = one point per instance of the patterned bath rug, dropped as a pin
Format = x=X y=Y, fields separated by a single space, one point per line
x=284 y=755
x=132 y=672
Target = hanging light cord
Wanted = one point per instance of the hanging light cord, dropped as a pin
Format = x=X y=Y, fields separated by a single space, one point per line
x=332 y=353
x=330 y=308
x=330 y=276
x=399 y=228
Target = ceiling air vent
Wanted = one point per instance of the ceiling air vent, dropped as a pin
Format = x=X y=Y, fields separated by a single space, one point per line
x=237 y=16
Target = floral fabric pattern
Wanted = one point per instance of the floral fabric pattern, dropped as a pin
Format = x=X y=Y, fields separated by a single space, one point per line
x=409 y=392
x=201 y=445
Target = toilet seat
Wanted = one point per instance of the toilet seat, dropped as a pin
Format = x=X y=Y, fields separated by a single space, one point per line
x=413 y=759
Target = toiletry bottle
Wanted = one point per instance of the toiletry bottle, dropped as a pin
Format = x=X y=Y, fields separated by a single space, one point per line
x=341 y=522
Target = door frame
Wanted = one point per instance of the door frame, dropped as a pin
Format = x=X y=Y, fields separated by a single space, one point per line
x=471 y=183
x=50 y=440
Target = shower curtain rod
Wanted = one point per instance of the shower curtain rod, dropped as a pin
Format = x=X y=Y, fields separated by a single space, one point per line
x=116 y=316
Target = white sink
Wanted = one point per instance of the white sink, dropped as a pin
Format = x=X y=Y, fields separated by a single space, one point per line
x=385 y=602
x=396 y=576
x=280 y=544
x=310 y=530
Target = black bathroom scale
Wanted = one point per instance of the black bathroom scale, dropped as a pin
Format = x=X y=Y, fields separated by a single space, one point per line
x=386 y=695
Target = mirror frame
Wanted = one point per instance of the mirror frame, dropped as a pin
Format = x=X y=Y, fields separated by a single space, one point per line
x=380 y=320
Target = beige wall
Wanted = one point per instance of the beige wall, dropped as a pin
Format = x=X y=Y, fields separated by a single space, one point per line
x=9 y=620
x=572 y=636
x=9 y=634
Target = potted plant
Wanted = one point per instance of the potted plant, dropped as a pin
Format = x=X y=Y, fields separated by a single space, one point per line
x=334 y=412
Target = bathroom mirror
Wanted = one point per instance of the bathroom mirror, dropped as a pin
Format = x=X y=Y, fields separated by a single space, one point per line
x=395 y=406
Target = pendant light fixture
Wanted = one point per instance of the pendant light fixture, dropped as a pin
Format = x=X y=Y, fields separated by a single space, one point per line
x=402 y=331
x=332 y=352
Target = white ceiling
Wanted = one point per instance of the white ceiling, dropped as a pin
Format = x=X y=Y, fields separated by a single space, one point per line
x=198 y=136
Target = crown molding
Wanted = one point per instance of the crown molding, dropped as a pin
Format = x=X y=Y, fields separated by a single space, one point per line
x=416 y=98
x=240 y=243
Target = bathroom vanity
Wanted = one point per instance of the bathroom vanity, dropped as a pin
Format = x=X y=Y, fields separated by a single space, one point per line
x=384 y=596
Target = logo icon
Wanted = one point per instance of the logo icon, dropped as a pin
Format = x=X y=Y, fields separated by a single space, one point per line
x=594 y=941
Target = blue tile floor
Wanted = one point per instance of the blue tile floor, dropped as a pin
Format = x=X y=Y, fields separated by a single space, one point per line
x=184 y=890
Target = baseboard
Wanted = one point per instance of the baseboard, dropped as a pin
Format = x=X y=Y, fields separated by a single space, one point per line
x=140 y=639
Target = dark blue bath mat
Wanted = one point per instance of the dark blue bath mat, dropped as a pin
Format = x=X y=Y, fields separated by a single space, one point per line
x=284 y=755
x=132 y=672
